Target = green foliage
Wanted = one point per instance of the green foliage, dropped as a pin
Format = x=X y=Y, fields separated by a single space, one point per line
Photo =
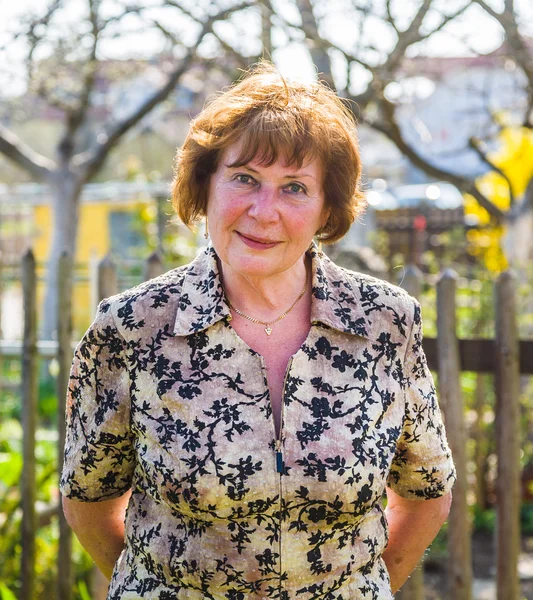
x=437 y=553
x=48 y=399
x=10 y=376
x=10 y=515
x=10 y=468
x=475 y=314
x=83 y=591
x=6 y=593
x=484 y=519
x=178 y=243
x=526 y=518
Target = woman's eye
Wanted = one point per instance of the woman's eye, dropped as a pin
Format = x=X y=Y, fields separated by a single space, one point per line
x=295 y=188
x=243 y=178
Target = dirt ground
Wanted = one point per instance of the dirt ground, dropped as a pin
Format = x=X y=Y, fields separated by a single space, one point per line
x=483 y=559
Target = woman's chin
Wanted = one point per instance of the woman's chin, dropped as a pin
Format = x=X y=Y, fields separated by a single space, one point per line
x=250 y=264
x=253 y=268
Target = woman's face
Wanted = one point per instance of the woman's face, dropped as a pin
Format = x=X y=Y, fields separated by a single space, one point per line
x=263 y=219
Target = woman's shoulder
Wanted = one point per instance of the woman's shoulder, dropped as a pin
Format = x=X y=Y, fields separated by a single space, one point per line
x=148 y=305
x=363 y=304
x=374 y=290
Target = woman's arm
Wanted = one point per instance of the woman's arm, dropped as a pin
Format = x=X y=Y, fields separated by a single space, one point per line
x=413 y=525
x=99 y=526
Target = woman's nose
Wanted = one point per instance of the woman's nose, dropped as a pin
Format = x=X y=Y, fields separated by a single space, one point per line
x=264 y=206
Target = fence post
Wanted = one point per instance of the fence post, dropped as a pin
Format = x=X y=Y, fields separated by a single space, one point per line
x=29 y=421
x=162 y=219
x=1 y=332
x=479 y=438
x=64 y=357
x=459 y=536
x=507 y=438
x=1 y=291
x=107 y=286
x=412 y=280
x=93 y=281
x=153 y=266
x=413 y=588
x=107 y=278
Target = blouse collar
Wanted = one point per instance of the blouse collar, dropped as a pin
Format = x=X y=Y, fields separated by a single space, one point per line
x=336 y=300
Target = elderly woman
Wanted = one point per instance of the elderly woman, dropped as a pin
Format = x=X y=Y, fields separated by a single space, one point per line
x=234 y=424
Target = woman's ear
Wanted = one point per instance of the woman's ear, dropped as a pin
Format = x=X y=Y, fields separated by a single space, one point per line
x=325 y=217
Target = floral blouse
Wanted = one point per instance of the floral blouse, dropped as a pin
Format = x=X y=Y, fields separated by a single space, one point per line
x=166 y=399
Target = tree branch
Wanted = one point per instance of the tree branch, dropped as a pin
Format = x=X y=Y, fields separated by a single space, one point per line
x=76 y=116
x=390 y=19
x=242 y=62
x=392 y=131
x=315 y=43
x=360 y=102
x=475 y=144
x=446 y=19
x=487 y=8
x=408 y=37
x=266 y=28
x=225 y=45
x=32 y=35
x=516 y=42
x=16 y=150
x=383 y=73
x=89 y=162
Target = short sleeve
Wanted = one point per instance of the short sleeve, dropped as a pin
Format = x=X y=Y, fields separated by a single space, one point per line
x=99 y=457
x=422 y=467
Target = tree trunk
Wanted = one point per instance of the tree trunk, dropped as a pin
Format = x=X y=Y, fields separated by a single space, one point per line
x=314 y=43
x=66 y=190
x=518 y=240
x=479 y=436
x=266 y=31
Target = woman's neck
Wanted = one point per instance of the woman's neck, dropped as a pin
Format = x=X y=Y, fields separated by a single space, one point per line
x=265 y=297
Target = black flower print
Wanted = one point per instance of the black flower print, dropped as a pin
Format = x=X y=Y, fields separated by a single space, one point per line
x=164 y=398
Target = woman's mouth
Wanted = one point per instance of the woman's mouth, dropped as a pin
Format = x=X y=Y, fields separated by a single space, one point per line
x=256 y=242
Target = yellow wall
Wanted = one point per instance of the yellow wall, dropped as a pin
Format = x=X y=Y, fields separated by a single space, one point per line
x=93 y=242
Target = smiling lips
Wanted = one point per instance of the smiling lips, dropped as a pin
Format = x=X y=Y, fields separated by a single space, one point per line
x=256 y=242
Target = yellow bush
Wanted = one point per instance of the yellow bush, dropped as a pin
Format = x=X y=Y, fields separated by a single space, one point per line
x=515 y=159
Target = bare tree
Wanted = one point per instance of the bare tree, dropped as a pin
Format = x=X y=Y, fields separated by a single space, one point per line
x=63 y=60
x=374 y=61
x=63 y=64
x=519 y=217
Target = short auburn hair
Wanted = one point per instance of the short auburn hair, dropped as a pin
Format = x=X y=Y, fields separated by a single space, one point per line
x=272 y=117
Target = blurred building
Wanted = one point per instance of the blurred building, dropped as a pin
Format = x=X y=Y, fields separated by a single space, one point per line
x=116 y=218
x=447 y=101
x=410 y=216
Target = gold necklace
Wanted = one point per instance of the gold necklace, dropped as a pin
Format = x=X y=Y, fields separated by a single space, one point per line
x=268 y=328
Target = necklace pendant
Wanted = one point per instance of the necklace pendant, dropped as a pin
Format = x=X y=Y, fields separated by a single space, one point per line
x=268 y=330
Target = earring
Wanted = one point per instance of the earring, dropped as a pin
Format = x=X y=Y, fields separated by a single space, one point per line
x=320 y=248
x=206 y=232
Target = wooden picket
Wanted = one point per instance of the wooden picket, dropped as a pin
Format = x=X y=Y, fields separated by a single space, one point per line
x=459 y=540
x=506 y=357
x=29 y=419
x=154 y=266
x=507 y=439
x=107 y=278
x=413 y=588
x=64 y=358
x=107 y=286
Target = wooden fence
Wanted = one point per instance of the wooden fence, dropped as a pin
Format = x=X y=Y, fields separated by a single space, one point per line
x=62 y=350
x=505 y=356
